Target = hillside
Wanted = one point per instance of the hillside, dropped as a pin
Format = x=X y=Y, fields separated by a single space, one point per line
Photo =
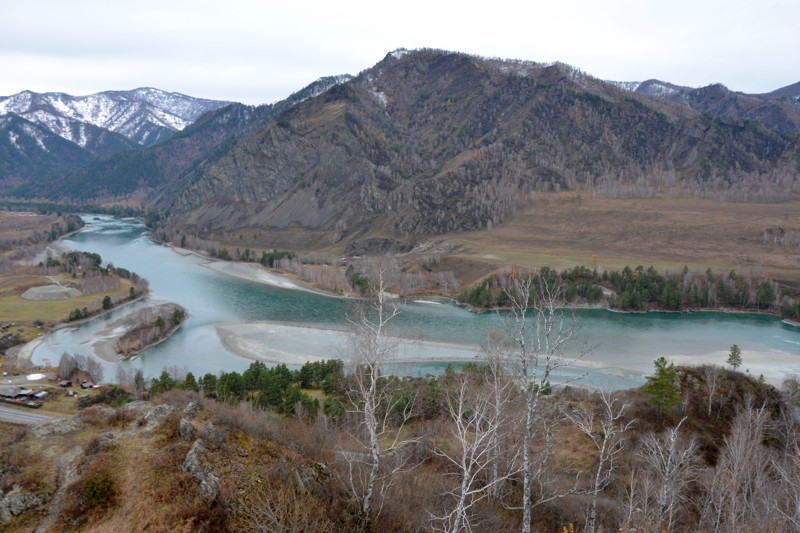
x=151 y=174
x=45 y=136
x=429 y=142
x=188 y=462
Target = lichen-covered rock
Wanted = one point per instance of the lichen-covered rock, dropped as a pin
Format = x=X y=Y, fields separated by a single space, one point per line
x=186 y=430
x=154 y=416
x=191 y=409
x=196 y=465
x=16 y=502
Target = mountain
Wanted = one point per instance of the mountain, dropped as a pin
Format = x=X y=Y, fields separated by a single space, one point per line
x=779 y=110
x=88 y=129
x=28 y=149
x=790 y=92
x=164 y=169
x=144 y=116
x=430 y=141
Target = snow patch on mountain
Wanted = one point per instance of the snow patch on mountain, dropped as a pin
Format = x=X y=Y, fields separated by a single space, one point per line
x=397 y=54
x=35 y=135
x=629 y=86
x=13 y=138
x=139 y=115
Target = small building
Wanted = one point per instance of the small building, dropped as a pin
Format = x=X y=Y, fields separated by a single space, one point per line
x=41 y=395
x=87 y=385
x=10 y=393
x=65 y=383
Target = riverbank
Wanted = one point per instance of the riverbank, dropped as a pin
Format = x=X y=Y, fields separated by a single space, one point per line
x=102 y=345
x=296 y=345
x=256 y=273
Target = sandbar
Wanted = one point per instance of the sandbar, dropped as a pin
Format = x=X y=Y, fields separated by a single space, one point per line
x=256 y=273
x=295 y=345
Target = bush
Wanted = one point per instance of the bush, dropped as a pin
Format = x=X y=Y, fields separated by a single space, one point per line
x=91 y=495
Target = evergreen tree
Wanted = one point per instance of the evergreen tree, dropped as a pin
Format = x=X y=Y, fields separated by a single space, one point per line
x=209 y=383
x=664 y=388
x=190 y=383
x=138 y=384
x=735 y=357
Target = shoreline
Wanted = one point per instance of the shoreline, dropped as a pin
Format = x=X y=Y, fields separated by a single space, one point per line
x=254 y=272
x=259 y=274
x=275 y=343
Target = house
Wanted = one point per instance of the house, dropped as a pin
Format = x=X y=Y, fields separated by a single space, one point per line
x=87 y=384
x=65 y=383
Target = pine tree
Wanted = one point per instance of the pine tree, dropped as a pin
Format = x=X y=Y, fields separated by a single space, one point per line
x=664 y=386
x=735 y=357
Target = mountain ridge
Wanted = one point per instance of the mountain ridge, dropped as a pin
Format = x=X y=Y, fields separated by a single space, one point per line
x=144 y=115
x=429 y=141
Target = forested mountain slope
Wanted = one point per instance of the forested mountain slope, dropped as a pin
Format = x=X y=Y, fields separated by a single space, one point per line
x=429 y=141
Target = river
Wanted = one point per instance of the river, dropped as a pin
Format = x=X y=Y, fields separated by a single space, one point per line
x=293 y=325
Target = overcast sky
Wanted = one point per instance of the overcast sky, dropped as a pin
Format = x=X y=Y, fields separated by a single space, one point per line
x=257 y=52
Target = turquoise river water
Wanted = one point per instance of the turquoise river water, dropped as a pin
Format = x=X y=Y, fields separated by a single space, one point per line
x=623 y=345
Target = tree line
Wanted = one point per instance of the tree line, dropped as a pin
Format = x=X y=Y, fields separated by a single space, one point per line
x=640 y=289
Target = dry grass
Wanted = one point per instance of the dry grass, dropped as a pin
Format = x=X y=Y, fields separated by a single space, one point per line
x=561 y=230
x=18 y=226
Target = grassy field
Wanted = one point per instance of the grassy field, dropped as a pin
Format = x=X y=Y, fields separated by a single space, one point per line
x=13 y=308
x=567 y=229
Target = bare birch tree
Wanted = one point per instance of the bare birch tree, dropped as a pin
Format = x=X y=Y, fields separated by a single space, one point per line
x=711 y=383
x=501 y=386
x=477 y=420
x=673 y=465
x=740 y=491
x=605 y=427
x=380 y=412
x=540 y=330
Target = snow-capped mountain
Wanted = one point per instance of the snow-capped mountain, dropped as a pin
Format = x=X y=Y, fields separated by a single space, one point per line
x=144 y=116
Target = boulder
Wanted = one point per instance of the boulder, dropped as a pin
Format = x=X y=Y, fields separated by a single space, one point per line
x=186 y=430
x=196 y=465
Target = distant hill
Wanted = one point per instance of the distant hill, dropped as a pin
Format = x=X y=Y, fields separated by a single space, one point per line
x=28 y=149
x=424 y=142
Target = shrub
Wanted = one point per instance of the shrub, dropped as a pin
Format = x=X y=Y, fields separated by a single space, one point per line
x=92 y=494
